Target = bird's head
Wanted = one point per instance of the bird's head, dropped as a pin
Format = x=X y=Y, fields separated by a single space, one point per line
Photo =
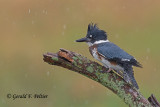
x=94 y=34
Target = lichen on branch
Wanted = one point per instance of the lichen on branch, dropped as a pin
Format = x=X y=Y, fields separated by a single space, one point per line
x=93 y=70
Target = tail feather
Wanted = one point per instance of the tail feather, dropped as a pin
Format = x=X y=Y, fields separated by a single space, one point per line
x=130 y=73
x=133 y=81
x=134 y=62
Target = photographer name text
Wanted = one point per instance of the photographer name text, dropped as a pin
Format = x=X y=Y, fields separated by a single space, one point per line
x=25 y=96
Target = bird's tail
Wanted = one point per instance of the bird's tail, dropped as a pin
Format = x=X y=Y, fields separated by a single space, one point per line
x=130 y=74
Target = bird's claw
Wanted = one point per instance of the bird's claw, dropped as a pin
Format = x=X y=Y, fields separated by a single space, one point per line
x=107 y=71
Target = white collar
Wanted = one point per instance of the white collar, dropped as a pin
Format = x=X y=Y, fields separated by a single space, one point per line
x=100 y=41
x=97 y=42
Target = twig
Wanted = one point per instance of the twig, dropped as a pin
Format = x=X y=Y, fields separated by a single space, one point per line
x=152 y=99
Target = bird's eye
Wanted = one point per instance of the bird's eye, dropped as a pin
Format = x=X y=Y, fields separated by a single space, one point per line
x=90 y=36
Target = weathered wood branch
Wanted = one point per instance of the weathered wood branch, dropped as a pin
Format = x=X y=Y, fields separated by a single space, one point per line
x=93 y=70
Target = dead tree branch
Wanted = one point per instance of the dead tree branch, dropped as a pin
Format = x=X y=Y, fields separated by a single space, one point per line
x=93 y=70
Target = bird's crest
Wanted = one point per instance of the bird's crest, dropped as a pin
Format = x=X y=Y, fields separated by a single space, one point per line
x=92 y=26
x=95 y=31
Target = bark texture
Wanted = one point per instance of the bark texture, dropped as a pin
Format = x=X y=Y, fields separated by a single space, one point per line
x=94 y=71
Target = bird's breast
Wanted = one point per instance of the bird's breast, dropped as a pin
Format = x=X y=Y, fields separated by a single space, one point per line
x=94 y=53
x=102 y=59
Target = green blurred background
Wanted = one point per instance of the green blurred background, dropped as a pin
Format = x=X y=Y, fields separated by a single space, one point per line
x=30 y=28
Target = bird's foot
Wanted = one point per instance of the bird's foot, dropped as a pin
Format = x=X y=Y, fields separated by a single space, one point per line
x=107 y=71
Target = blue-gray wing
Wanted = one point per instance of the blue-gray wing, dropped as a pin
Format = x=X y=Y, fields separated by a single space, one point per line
x=114 y=53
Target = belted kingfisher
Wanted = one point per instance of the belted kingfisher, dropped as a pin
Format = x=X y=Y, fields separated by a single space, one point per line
x=109 y=54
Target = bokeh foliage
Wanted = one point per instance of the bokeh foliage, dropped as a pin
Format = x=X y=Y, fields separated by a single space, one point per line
x=29 y=28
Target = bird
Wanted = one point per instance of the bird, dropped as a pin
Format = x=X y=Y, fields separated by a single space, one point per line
x=110 y=55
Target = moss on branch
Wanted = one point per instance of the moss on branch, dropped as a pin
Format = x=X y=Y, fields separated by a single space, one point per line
x=93 y=70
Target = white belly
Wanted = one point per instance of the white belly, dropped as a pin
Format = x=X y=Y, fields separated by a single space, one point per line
x=105 y=62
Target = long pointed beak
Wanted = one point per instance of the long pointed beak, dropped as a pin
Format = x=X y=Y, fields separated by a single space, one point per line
x=83 y=40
